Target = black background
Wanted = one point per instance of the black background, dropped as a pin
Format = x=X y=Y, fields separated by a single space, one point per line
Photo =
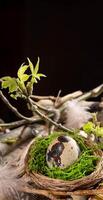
x=67 y=37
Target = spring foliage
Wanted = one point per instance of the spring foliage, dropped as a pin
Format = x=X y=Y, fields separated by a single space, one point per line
x=90 y=128
x=22 y=86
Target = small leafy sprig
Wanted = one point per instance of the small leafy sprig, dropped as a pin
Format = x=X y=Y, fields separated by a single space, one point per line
x=90 y=127
x=22 y=86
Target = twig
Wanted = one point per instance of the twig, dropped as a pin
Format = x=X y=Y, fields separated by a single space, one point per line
x=44 y=117
x=14 y=110
x=30 y=120
x=52 y=98
x=57 y=98
x=19 y=123
x=62 y=99
x=60 y=126
x=55 y=112
x=39 y=192
x=79 y=192
x=12 y=139
x=92 y=93
x=68 y=97
x=39 y=106
x=58 y=193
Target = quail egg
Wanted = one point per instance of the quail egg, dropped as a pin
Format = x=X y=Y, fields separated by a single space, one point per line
x=62 y=152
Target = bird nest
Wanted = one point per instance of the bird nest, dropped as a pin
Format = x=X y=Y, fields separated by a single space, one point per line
x=58 y=187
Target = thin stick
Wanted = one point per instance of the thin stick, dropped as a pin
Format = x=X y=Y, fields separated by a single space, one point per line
x=14 y=110
x=57 y=98
x=44 y=117
x=79 y=192
x=92 y=93
x=68 y=97
x=39 y=192
x=39 y=106
x=52 y=98
x=19 y=123
x=58 y=193
x=31 y=120
x=63 y=99
x=60 y=126
x=10 y=140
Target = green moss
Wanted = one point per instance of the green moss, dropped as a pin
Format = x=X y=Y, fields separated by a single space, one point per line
x=82 y=167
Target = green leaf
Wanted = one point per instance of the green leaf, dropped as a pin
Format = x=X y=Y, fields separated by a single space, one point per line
x=17 y=95
x=13 y=96
x=35 y=75
x=21 y=86
x=33 y=80
x=92 y=128
x=31 y=66
x=10 y=83
x=23 y=77
x=89 y=127
x=99 y=131
x=39 y=75
x=36 y=69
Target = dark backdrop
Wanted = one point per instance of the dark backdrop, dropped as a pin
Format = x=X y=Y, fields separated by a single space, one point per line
x=67 y=37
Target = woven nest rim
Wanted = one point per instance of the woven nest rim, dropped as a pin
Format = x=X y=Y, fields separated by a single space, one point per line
x=47 y=183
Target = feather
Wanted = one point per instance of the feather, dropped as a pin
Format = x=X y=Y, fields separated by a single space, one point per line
x=8 y=185
x=76 y=114
x=11 y=181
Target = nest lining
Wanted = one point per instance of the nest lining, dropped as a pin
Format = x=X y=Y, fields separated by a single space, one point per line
x=84 y=166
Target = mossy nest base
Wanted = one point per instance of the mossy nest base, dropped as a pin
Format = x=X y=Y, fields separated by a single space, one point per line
x=83 y=172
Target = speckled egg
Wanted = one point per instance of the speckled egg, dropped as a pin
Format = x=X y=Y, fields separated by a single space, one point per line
x=62 y=152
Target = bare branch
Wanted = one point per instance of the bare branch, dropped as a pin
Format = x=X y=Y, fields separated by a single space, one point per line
x=46 y=118
x=39 y=106
x=35 y=97
x=19 y=123
x=59 y=193
x=16 y=136
x=13 y=109
x=39 y=192
x=92 y=93
x=57 y=98
x=61 y=100
x=68 y=97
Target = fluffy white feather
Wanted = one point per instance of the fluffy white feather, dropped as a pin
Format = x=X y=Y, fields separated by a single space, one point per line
x=76 y=114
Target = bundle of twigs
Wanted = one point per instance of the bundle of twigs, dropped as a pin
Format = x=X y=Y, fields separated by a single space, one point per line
x=48 y=109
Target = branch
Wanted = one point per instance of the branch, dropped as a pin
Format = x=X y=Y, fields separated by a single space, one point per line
x=92 y=93
x=19 y=123
x=68 y=97
x=45 y=193
x=61 y=100
x=52 y=98
x=46 y=118
x=14 y=110
x=27 y=120
x=58 y=193
x=15 y=137
x=39 y=106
